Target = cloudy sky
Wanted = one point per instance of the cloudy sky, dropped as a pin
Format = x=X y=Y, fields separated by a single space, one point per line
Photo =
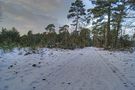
x=34 y=14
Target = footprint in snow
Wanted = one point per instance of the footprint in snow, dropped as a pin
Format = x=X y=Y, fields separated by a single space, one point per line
x=81 y=54
x=11 y=66
x=34 y=88
x=10 y=78
x=68 y=83
x=6 y=87
x=34 y=65
x=0 y=78
x=125 y=84
x=33 y=83
x=15 y=72
x=44 y=79
x=63 y=83
x=39 y=62
x=110 y=53
x=132 y=65
x=41 y=58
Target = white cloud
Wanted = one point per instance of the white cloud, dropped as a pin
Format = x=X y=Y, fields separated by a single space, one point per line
x=29 y=14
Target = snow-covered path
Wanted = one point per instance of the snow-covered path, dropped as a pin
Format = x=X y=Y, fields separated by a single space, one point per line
x=83 y=69
x=87 y=72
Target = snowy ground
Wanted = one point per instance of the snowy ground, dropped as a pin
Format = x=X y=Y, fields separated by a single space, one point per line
x=54 y=69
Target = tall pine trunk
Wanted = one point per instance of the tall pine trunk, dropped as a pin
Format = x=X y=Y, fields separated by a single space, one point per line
x=119 y=25
x=116 y=35
x=76 y=28
x=107 y=41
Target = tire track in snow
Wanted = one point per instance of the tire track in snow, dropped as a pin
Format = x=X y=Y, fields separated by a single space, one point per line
x=128 y=84
x=84 y=73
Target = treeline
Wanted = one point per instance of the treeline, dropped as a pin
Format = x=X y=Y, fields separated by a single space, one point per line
x=50 y=39
x=106 y=19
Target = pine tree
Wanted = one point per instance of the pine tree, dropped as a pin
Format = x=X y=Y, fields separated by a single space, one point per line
x=102 y=9
x=63 y=36
x=76 y=12
x=114 y=18
x=51 y=35
x=50 y=28
x=117 y=18
x=84 y=37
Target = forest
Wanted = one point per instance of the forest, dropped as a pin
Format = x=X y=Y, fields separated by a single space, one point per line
x=106 y=19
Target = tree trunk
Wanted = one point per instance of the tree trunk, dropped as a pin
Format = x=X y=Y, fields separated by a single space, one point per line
x=104 y=35
x=117 y=34
x=107 y=41
x=76 y=28
x=118 y=25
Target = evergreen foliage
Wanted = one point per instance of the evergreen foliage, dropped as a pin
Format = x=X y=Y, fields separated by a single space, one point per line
x=64 y=39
